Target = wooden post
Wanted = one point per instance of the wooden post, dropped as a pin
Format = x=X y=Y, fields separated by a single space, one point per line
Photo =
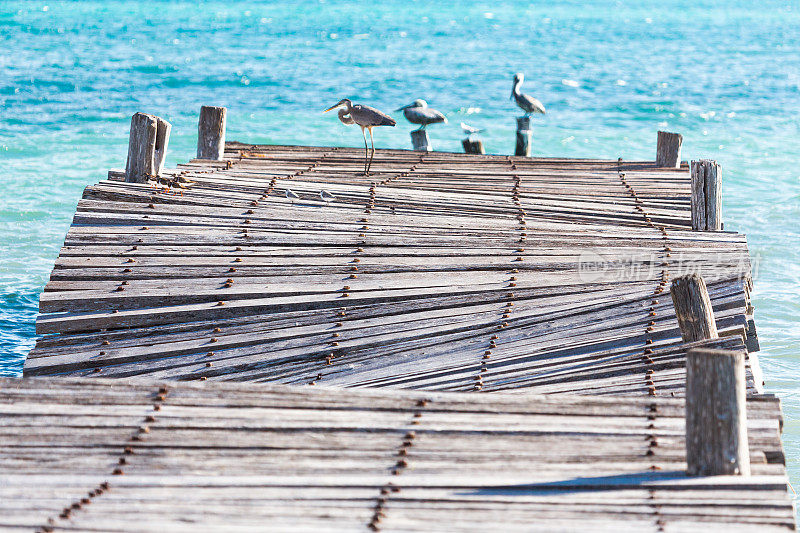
x=147 y=147
x=668 y=149
x=524 y=136
x=706 y=195
x=420 y=141
x=693 y=308
x=211 y=133
x=472 y=146
x=716 y=421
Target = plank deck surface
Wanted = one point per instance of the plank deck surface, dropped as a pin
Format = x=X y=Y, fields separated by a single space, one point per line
x=391 y=309
x=438 y=272
x=123 y=456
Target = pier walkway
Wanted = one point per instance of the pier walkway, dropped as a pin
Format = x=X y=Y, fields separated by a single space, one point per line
x=453 y=343
x=439 y=272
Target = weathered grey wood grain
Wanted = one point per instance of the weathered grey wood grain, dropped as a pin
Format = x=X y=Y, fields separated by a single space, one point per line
x=473 y=146
x=420 y=141
x=524 y=137
x=706 y=195
x=668 y=149
x=693 y=308
x=147 y=147
x=716 y=421
x=211 y=133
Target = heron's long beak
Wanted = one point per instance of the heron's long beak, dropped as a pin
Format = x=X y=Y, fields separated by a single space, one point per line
x=332 y=107
x=404 y=107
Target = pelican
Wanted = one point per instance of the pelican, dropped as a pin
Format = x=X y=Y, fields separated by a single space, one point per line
x=367 y=118
x=526 y=102
x=291 y=195
x=418 y=112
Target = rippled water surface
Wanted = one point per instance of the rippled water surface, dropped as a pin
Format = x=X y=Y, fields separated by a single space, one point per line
x=725 y=74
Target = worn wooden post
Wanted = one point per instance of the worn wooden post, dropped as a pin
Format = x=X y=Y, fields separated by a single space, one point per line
x=472 y=146
x=706 y=195
x=147 y=147
x=668 y=149
x=693 y=308
x=211 y=133
x=420 y=141
x=524 y=136
x=716 y=421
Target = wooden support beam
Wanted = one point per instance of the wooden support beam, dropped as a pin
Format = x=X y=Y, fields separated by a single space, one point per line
x=147 y=147
x=668 y=149
x=524 y=137
x=716 y=422
x=420 y=141
x=211 y=133
x=693 y=308
x=473 y=146
x=706 y=195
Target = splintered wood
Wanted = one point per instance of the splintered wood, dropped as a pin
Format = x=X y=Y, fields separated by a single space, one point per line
x=439 y=271
x=114 y=455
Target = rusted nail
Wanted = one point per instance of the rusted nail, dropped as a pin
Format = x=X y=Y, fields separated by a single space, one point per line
x=149 y=418
x=117 y=472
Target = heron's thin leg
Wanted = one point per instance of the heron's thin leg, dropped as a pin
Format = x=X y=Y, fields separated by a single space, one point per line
x=372 y=156
x=366 y=151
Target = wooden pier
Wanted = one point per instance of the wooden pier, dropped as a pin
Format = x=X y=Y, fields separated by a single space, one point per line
x=545 y=282
x=108 y=455
x=441 y=271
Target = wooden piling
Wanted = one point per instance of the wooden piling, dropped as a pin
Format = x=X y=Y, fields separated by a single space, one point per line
x=716 y=423
x=668 y=149
x=147 y=147
x=524 y=136
x=706 y=195
x=211 y=133
x=693 y=308
x=473 y=146
x=420 y=141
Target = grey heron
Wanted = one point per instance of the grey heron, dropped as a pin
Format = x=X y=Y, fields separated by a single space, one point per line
x=291 y=195
x=418 y=112
x=526 y=102
x=367 y=118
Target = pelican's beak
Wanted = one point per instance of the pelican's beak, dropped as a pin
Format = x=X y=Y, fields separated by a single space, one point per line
x=404 y=107
x=512 y=96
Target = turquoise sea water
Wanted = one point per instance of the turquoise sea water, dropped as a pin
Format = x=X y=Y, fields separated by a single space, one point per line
x=724 y=74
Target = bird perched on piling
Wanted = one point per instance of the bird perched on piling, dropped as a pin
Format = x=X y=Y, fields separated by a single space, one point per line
x=367 y=118
x=418 y=112
x=526 y=102
x=291 y=195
